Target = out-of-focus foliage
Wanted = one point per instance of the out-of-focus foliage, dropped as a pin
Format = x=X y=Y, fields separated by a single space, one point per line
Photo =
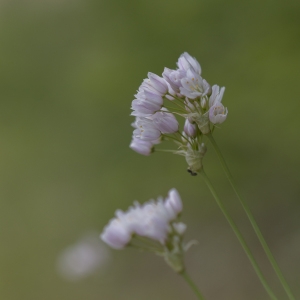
x=68 y=72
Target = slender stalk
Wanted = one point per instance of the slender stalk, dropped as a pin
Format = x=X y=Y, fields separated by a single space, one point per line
x=239 y=236
x=192 y=285
x=252 y=220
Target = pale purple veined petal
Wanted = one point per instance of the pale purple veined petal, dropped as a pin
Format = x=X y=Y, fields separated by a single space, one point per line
x=144 y=107
x=158 y=83
x=216 y=95
x=147 y=134
x=146 y=130
x=141 y=146
x=154 y=98
x=186 y=62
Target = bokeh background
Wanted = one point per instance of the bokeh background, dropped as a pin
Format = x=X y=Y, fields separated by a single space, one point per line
x=68 y=72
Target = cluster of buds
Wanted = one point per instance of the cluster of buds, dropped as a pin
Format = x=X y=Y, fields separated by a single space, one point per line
x=183 y=93
x=153 y=226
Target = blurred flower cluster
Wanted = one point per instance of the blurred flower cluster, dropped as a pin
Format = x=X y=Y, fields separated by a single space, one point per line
x=184 y=93
x=153 y=226
x=83 y=258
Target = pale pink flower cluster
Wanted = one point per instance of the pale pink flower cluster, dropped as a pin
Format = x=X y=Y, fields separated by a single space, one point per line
x=156 y=220
x=184 y=93
x=83 y=258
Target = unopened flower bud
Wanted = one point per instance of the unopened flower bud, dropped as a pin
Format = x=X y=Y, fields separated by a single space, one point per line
x=180 y=228
x=173 y=202
x=185 y=62
x=190 y=129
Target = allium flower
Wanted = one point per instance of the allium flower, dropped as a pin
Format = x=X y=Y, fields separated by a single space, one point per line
x=173 y=77
x=178 y=93
x=187 y=62
x=217 y=112
x=156 y=221
x=193 y=85
x=141 y=147
x=158 y=83
x=216 y=95
x=146 y=130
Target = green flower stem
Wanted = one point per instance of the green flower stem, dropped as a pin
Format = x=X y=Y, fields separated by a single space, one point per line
x=252 y=221
x=192 y=285
x=239 y=236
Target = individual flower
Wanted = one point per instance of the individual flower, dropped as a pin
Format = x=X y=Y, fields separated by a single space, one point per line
x=186 y=62
x=157 y=221
x=146 y=129
x=179 y=93
x=141 y=146
x=193 y=85
x=165 y=122
x=158 y=83
x=217 y=111
x=216 y=95
x=173 y=77
x=83 y=258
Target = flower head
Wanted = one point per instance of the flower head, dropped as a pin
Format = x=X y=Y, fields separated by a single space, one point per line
x=184 y=93
x=83 y=258
x=156 y=221
x=152 y=220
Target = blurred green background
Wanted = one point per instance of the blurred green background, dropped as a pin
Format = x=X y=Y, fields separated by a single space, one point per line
x=68 y=73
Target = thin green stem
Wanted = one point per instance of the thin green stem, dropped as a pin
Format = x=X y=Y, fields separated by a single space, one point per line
x=171 y=137
x=192 y=285
x=172 y=110
x=239 y=236
x=142 y=248
x=175 y=103
x=188 y=141
x=252 y=221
